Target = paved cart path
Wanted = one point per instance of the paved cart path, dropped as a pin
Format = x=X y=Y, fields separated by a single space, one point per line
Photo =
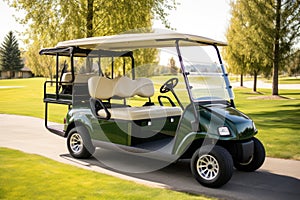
x=277 y=179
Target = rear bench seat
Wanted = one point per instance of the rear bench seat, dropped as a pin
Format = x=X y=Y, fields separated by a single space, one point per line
x=140 y=113
x=103 y=88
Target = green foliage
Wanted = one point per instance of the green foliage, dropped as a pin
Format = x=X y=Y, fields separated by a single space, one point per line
x=261 y=35
x=25 y=176
x=39 y=65
x=67 y=20
x=233 y=54
x=10 y=54
x=293 y=64
x=244 y=53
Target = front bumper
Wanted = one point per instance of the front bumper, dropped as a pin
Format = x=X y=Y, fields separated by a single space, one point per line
x=244 y=151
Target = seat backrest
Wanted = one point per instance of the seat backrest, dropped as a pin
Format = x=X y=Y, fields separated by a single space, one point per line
x=101 y=87
x=66 y=77
x=125 y=87
x=145 y=87
x=104 y=88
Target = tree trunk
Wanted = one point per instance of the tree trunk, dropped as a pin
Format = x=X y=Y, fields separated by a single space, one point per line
x=255 y=81
x=89 y=18
x=242 y=80
x=276 y=49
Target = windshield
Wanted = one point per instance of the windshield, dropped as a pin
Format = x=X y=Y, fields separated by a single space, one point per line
x=204 y=73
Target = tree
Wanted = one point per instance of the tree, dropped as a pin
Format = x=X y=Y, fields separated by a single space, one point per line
x=10 y=54
x=287 y=30
x=278 y=24
x=40 y=65
x=233 y=53
x=241 y=54
x=273 y=29
x=86 y=18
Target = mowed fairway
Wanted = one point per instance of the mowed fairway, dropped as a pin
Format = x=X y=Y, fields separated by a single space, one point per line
x=25 y=97
x=26 y=176
x=278 y=120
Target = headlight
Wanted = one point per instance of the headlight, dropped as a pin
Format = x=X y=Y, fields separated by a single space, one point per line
x=223 y=131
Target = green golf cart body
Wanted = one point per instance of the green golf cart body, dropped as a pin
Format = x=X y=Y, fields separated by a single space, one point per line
x=165 y=96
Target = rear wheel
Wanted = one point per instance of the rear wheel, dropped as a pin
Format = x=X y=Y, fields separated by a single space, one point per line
x=79 y=143
x=255 y=161
x=212 y=166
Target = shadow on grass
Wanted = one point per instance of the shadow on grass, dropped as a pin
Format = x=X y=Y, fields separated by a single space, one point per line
x=289 y=93
x=178 y=177
x=283 y=118
x=291 y=105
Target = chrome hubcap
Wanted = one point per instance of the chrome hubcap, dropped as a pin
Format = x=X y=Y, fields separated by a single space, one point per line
x=207 y=167
x=76 y=143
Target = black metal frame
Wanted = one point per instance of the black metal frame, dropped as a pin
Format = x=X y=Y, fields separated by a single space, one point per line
x=68 y=99
x=94 y=110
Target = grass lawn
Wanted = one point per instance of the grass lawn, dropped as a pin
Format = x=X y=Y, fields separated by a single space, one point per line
x=28 y=99
x=278 y=121
x=26 y=176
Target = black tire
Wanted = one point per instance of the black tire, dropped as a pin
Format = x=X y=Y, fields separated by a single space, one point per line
x=217 y=166
x=256 y=161
x=79 y=143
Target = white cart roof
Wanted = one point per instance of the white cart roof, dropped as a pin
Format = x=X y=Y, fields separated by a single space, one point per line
x=141 y=40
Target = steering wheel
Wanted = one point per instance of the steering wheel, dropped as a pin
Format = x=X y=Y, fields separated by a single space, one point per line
x=169 y=85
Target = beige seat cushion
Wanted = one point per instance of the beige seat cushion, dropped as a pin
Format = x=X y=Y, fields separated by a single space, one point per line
x=125 y=87
x=104 y=88
x=138 y=113
x=145 y=87
x=101 y=87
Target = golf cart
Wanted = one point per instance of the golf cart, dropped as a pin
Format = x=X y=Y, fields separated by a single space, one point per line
x=163 y=96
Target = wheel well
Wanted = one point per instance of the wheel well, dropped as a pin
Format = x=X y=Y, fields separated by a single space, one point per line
x=232 y=146
x=188 y=153
x=229 y=145
x=71 y=126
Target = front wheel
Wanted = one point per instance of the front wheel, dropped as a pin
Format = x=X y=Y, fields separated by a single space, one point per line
x=79 y=143
x=212 y=166
x=255 y=161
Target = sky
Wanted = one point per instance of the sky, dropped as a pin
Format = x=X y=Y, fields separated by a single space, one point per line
x=8 y=22
x=209 y=18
